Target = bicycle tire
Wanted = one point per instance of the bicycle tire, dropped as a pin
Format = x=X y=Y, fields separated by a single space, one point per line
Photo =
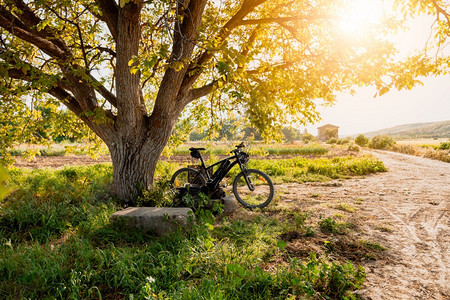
x=185 y=177
x=261 y=196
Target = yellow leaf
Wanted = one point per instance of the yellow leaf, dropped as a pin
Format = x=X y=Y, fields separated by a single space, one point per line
x=4 y=190
x=123 y=2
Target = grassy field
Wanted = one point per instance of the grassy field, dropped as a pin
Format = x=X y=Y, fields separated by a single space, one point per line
x=59 y=149
x=255 y=149
x=56 y=241
x=212 y=148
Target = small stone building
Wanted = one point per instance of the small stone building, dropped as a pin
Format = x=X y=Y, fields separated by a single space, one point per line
x=327 y=132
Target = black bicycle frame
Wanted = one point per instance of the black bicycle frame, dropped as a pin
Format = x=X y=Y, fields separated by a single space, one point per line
x=236 y=159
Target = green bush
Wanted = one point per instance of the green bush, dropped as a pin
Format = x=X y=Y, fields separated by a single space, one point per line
x=332 y=141
x=381 y=142
x=444 y=146
x=307 y=138
x=343 y=141
x=353 y=147
x=361 y=140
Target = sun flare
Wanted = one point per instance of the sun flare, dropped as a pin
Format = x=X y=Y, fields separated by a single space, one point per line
x=359 y=15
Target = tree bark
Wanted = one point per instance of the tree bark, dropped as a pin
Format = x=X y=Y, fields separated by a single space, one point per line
x=134 y=156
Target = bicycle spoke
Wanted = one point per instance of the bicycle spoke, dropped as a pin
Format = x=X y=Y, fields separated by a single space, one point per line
x=259 y=195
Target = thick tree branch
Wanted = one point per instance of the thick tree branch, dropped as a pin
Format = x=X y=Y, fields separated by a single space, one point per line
x=110 y=15
x=442 y=11
x=16 y=27
x=281 y=19
x=201 y=91
x=110 y=97
x=196 y=66
x=225 y=31
x=183 y=47
x=131 y=110
x=57 y=91
x=28 y=17
x=102 y=49
x=250 y=41
x=265 y=69
x=186 y=33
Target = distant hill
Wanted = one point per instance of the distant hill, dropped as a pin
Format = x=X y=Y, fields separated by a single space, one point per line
x=416 y=130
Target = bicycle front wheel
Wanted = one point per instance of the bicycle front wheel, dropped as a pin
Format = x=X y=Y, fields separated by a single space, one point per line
x=255 y=192
x=186 y=177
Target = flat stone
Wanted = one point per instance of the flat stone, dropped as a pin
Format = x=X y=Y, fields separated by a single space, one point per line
x=160 y=220
x=229 y=204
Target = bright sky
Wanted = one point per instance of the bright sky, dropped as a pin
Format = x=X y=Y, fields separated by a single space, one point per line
x=362 y=112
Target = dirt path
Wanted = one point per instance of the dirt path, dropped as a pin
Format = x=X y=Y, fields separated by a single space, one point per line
x=407 y=210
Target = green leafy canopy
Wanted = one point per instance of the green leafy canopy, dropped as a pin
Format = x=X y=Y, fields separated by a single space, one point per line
x=268 y=62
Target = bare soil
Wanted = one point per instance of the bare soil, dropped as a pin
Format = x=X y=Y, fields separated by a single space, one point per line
x=406 y=210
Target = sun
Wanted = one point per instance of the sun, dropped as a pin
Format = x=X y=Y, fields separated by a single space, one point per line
x=359 y=15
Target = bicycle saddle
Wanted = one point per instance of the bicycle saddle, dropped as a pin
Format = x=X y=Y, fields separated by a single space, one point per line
x=196 y=149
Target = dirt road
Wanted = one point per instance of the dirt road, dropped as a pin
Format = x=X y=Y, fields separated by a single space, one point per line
x=406 y=210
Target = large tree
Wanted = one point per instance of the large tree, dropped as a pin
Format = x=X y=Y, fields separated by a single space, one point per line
x=130 y=68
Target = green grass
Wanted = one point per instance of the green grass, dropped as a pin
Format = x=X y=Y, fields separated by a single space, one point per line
x=56 y=241
x=345 y=207
x=321 y=169
x=59 y=149
x=329 y=225
x=296 y=150
x=258 y=150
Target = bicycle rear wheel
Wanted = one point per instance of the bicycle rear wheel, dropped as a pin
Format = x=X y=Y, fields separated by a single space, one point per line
x=186 y=177
x=262 y=193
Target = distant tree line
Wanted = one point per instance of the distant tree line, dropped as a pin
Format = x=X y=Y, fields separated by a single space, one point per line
x=230 y=132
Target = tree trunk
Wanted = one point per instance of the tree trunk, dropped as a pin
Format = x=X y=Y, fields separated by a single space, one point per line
x=134 y=157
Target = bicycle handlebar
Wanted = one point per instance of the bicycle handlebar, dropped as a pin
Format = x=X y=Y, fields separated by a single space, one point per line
x=241 y=145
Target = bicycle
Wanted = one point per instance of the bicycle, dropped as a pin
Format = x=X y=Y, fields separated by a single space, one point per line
x=252 y=188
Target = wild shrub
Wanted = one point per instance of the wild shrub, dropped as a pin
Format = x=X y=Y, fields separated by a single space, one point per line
x=408 y=149
x=444 y=146
x=353 y=147
x=332 y=140
x=381 y=142
x=428 y=152
x=308 y=138
x=361 y=140
x=159 y=195
x=343 y=141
